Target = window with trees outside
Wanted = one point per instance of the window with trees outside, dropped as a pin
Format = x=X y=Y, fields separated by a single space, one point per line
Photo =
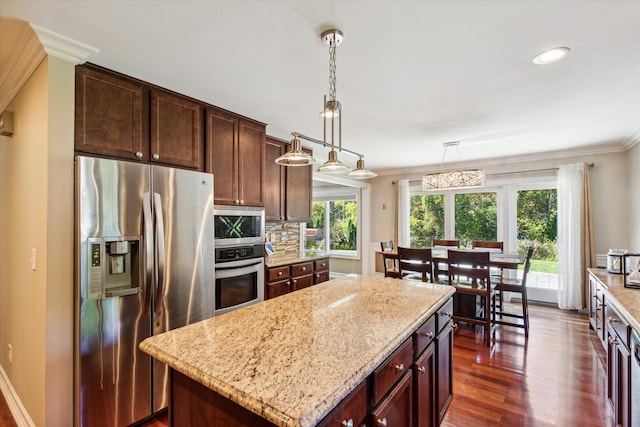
x=336 y=219
x=519 y=214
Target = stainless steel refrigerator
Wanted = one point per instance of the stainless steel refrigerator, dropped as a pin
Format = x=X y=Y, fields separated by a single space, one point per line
x=144 y=265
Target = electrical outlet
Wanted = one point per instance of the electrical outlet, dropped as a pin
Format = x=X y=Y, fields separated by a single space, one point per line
x=10 y=353
x=283 y=236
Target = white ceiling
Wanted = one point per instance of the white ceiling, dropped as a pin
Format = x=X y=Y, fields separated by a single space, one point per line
x=411 y=75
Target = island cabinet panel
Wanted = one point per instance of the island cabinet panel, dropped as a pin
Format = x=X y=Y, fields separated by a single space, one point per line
x=424 y=388
x=352 y=411
x=236 y=154
x=193 y=404
x=395 y=409
x=288 y=188
x=177 y=130
x=597 y=307
x=444 y=359
x=111 y=115
x=618 y=367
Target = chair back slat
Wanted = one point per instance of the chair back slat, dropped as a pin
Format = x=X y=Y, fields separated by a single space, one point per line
x=527 y=265
x=487 y=244
x=447 y=243
x=418 y=260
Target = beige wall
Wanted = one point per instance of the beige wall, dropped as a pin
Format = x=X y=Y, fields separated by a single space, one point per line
x=633 y=192
x=36 y=211
x=609 y=184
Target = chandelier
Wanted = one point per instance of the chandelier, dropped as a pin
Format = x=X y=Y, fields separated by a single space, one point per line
x=453 y=179
x=332 y=119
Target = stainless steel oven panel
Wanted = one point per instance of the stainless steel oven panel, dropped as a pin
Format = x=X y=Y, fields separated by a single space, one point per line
x=238 y=268
x=240 y=211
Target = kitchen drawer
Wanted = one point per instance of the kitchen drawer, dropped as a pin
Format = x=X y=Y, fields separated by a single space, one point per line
x=275 y=289
x=618 y=324
x=391 y=370
x=321 y=265
x=301 y=282
x=424 y=336
x=444 y=315
x=352 y=409
x=301 y=269
x=278 y=273
x=320 y=277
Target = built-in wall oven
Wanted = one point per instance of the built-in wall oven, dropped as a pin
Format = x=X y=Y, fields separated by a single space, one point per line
x=239 y=257
x=239 y=277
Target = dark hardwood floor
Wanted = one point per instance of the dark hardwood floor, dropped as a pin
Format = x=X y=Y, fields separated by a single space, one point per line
x=556 y=378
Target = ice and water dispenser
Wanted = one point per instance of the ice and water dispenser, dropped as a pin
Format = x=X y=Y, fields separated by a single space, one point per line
x=114 y=267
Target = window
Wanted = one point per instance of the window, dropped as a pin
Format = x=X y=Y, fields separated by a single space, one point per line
x=426 y=219
x=335 y=217
x=476 y=217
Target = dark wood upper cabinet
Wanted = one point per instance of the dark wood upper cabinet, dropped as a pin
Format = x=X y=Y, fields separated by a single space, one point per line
x=288 y=188
x=236 y=153
x=111 y=115
x=274 y=176
x=177 y=130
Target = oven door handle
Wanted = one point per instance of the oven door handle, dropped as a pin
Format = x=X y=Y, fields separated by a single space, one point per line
x=237 y=267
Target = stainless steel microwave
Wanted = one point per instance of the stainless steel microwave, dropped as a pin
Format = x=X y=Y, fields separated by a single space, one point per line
x=240 y=225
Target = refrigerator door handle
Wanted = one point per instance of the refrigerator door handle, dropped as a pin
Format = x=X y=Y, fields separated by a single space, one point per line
x=147 y=271
x=157 y=204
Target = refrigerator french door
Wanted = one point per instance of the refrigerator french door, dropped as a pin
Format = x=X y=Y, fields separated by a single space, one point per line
x=144 y=256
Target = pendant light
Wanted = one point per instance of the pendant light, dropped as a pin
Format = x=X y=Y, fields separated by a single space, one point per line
x=331 y=113
x=453 y=179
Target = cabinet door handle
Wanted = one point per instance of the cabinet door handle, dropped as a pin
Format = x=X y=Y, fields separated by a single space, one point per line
x=236 y=201
x=139 y=154
x=399 y=367
x=454 y=325
x=382 y=422
x=421 y=369
x=347 y=423
x=156 y=156
x=447 y=313
x=613 y=342
x=242 y=202
x=612 y=320
x=294 y=281
x=427 y=334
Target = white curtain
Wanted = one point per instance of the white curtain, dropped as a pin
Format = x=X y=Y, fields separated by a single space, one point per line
x=569 y=236
x=403 y=213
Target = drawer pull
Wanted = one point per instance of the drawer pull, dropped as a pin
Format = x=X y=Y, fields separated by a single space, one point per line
x=613 y=342
x=279 y=273
x=382 y=422
x=347 y=423
x=447 y=313
x=304 y=268
x=427 y=334
x=421 y=369
x=399 y=367
x=612 y=320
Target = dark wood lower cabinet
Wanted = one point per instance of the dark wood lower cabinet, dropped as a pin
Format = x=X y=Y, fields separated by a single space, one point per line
x=444 y=373
x=425 y=385
x=395 y=409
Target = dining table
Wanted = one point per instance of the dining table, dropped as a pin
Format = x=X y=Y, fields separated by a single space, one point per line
x=497 y=258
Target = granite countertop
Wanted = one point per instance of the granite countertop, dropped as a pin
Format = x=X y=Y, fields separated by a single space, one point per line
x=274 y=261
x=293 y=358
x=627 y=300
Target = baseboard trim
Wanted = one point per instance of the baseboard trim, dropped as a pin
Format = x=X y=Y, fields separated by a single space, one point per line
x=19 y=412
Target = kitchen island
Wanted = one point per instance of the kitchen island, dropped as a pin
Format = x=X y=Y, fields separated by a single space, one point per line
x=292 y=359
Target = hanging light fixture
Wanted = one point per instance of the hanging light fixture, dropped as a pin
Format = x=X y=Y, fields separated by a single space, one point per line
x=331 y=113
x=453 y=179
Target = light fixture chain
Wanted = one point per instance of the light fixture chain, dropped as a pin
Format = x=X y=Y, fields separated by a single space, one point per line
x=332 y=72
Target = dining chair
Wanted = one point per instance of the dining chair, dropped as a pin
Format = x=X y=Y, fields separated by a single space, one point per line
x=439 y=269
x=416 y=260
x=490 y=245
x=390 y=264
x=469 y=274
x=506 y=284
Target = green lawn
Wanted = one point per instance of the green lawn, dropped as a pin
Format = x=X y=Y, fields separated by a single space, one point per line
x=542 y=266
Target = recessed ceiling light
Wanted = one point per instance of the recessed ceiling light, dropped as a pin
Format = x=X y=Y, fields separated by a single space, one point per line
x=551 y=55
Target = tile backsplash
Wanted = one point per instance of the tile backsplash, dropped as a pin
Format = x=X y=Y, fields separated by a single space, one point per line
x=285 y=239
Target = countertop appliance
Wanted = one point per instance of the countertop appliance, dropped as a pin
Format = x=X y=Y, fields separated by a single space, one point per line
x=144 y=251
x=239 y=277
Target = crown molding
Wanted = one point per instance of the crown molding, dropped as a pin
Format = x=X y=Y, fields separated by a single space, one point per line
x=33 y=44
x=632 y=139
x=63 y=47
x=546 y=155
